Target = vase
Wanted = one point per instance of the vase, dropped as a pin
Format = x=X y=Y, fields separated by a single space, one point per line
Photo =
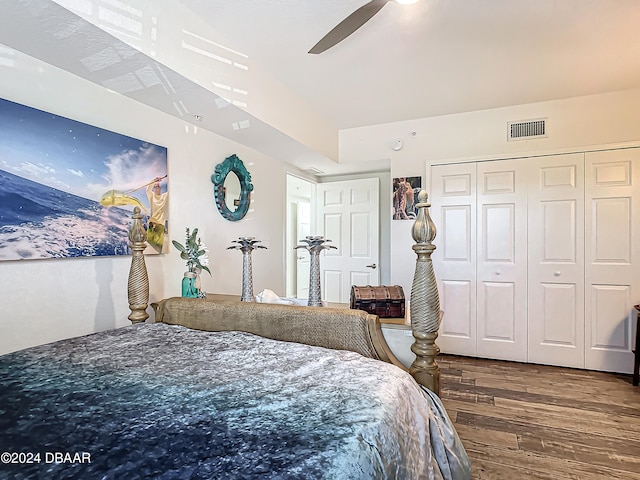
x=189 y=289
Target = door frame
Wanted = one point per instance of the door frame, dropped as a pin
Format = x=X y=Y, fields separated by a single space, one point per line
x=297 y=188
x=384 y=232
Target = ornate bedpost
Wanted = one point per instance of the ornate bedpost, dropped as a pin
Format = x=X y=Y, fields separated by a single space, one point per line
x=246 y=245
x=425 y=304
x=138 y=285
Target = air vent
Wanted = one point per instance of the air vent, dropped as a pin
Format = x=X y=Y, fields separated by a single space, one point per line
x=313 y=171
x=528 y=129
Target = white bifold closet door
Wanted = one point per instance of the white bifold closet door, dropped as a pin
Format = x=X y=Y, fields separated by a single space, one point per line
x=453 y=210
x=480 y=212
x=556 y=260
x=612 y=257
x=502 y=260
x=538 y=259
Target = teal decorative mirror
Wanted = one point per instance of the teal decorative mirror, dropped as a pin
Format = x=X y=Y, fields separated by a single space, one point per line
x=232 y=188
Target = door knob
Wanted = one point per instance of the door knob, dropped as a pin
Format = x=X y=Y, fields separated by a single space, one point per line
x=373 y=265
x=557 y=274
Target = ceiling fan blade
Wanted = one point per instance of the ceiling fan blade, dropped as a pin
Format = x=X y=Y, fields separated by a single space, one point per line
x=349 y=25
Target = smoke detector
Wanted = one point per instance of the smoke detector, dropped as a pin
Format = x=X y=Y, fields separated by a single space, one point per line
x=397 y=145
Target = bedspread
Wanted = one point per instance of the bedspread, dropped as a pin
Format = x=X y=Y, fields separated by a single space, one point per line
x=160 y=401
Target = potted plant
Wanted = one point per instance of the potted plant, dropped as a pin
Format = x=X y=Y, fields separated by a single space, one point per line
x=194 y=252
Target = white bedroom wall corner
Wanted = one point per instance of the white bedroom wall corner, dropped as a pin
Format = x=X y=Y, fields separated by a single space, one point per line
x=575 y=123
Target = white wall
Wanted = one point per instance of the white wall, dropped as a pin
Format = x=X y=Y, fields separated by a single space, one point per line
x=576 y=124
x=47 y=300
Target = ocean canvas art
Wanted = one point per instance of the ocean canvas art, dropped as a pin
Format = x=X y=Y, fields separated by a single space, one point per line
x=68 y=189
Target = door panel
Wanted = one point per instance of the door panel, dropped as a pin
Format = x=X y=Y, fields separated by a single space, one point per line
x=612 y=255
x=454 y=298
x=453 y=210
x=559 y=316
x=456 y=229
x=499 y=311
x=611 y=305
x=498 y=224
x=348 y=216
x=502 y=260
x=360 y=232
x=611 y=241
x=556 y=260
x=332 y=230
x=332 y=284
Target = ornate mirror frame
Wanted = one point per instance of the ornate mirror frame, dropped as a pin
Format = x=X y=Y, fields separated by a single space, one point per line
x=235 y=165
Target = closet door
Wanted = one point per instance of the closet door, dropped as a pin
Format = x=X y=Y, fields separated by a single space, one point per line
x=612 y=257
x=501 y=271
x=453 y=210
x=556 y=260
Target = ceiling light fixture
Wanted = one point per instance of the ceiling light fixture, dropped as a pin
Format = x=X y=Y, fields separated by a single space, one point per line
x=406 y=2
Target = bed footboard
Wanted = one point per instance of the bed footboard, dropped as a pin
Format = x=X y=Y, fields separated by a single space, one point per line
x=335 y=328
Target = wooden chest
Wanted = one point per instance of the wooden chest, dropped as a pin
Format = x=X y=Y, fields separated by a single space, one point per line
x=384 y=301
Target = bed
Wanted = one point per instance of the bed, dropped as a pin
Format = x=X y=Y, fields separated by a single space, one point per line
x=209 y=400
x=224 y=391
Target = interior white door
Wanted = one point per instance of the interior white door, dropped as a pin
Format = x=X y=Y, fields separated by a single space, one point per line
x=453 y=210
x=556 y=260
x=303 y=229
x=612 y=257
x=348 y=214
x=501 y=267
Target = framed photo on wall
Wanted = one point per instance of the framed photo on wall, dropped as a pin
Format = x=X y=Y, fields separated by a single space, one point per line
x=68 y=189
x=405 y=197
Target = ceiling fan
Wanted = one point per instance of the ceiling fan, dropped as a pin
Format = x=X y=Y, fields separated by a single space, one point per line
x=353 y=22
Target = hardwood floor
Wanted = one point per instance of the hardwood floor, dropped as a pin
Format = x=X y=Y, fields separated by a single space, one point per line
x=524 y=421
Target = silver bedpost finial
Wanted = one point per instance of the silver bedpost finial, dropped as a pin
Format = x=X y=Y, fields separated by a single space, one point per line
x=138 y=284
x=425 y=304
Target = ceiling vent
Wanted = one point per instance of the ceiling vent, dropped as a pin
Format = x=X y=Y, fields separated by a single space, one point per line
x=528 y=129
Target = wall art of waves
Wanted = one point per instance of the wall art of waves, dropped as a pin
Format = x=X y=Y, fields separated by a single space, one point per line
x=37 y=221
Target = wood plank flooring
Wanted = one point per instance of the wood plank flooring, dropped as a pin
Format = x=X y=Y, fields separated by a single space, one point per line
x=524 y=421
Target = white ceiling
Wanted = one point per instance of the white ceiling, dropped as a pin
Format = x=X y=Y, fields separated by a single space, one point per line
x=435 y=57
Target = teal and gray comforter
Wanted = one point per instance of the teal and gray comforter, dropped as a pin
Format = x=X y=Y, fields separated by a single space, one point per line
x=155 y=401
